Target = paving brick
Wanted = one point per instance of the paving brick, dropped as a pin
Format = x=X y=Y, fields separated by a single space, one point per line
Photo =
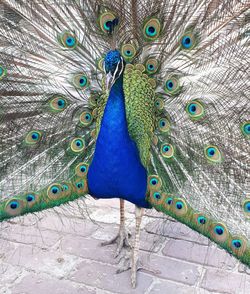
x=88 y=248
x=41 y=284
x=170 y=287
x=62 y=224
x=176 y=230
x=30 y=235
x=170 y=269
x=197 y=253
x=104 y=277
x=56 y=263
x=225 y=282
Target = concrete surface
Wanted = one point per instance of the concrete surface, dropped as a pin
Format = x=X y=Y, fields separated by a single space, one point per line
x=59 y=252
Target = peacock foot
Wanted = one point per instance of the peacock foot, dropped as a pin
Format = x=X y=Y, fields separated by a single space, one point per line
x=122 y=240
x=129 y=264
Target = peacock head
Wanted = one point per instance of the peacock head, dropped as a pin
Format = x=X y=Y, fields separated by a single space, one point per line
x=114 y=66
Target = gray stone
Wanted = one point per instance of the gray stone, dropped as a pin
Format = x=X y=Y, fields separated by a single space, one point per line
x=41 y=284
x=175 y=230
x=170 y=269
x=197 y=253
x=225 y=282
x=104 y=277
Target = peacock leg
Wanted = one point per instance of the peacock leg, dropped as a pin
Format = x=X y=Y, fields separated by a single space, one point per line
x=134 y=260
x=122 y=238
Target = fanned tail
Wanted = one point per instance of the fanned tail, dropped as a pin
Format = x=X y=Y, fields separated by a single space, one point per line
x=200 y=157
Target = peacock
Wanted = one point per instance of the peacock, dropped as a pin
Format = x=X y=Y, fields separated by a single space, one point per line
x=145 y=101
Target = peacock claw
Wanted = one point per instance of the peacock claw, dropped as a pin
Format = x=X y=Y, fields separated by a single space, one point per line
x=135 y=267
x=122 y=240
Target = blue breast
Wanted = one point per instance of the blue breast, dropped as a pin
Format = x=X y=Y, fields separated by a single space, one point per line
x=116 y=170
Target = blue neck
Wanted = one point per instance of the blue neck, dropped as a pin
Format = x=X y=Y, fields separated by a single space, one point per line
x=116 y=169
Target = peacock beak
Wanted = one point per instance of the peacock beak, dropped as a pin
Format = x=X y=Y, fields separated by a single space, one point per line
x=109 y=81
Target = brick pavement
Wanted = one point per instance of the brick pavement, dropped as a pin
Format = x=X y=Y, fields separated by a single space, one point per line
x=59 y=252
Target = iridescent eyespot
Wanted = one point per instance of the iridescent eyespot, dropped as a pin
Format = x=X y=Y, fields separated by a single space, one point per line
x=14 y=207
x=169 y=201
x=154 y=182
x=219 y=232
x=188 y=41
x=238 y=245
x=106 y=21
x=81 y=169
x=201 y=220
x=128 y=52
x=58 y=104
x=180 y=207
x=86 y=118
x=195 y=110
x=77 y=145
x=80 y=81
x=152 y=66
x=80 y=185
x=67 y=40
x=66 y=189
x=31 y=199
x=213 y=154
x=245 y=129
x=55 y=191
x=172 y=86
x=33 y=137
x=157 y=196
x=152 y=29
x=246 y=207
x=167 y=150
x=164 y=125
x=159 y=105
x=3 y=72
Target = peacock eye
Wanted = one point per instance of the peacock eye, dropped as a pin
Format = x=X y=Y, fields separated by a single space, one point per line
x=188 y=41
x=195 y=110
x=154 y=182
x=79 y=185
x=213 y=154
x=157 y=196
x=236 y=243
x=172 y=86
x=14 y=207
x=167 y=150
x=164 y=125
x=77 y=145
x=58 y=104
x=80 y=81
x=246 y=207
x=128 y=51
x=33 y=137
x=201 y=220
x=151 y=29
x=86 y=118
x=180 y=207
x=30 y=198
x=152 y=65
x=3 y=72
x=169 y=201
x=81 y=169
x=159 y=104
x=67 y=40
x=245 y=128
x=55 y=191
x=106 y=20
